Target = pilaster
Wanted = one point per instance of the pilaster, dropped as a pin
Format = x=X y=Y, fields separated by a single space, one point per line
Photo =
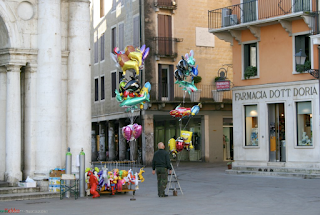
x=147 y=139
x=13 y=126
x=3 y=104
x=111 y=145
x=122 y=142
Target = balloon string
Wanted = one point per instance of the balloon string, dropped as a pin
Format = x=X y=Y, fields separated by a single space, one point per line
x=187 y=123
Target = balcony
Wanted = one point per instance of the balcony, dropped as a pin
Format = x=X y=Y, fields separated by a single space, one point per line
x=163 y=93
x=254 y=14
x=166 y=4
x=166 y=46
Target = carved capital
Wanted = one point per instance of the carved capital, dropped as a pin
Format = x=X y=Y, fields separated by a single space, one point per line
x=13 y=68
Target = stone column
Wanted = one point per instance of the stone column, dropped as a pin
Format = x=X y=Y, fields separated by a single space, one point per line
x=30 y=121
x=147 y=139
x=13 y=126
x=122 y=142
x=79 y=80
x=3 y=103
x=111 y=145
x=48 y=101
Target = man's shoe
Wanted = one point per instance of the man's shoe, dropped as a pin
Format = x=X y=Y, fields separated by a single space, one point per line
x=165 y=195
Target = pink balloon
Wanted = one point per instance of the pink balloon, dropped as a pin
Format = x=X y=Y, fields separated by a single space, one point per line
x=137 y=130
x=126 y=132
x=179 y=145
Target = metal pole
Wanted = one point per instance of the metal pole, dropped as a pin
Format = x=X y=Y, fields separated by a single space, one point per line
x=68 y=169
x=82 y=172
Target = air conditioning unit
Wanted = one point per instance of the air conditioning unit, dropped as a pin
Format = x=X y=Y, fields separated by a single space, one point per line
x=228 y=18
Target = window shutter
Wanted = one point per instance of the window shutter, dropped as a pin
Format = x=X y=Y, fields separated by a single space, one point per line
x=113 y=84
x=159 y=81
x=121 y=36
x=113 y=39
x=171 y=83
x=102 y=47
x=102 y=88
x=96 y=89
x=136 y=32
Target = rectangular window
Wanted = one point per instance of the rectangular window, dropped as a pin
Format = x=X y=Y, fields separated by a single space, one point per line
x=102 y=8
x=113 y=38
x=114 y=5
x=102 y=47
x=96 y=51
x=113 y=84
x=250 y=55
x=301 y=5
x=302 y=43
x=121 y=36
x=96 y=89
x=102 y=87
x=304 y=123
x=136 y=31
x=251 y=125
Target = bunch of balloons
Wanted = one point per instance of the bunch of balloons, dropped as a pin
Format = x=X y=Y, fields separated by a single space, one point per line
x=186 y=67
x=182 y=142
x=182 y=112
x=130 y=59
x=130 y=93
x=131 y=132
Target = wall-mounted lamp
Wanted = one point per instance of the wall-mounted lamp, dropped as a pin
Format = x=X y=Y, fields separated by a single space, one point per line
x=300 y=57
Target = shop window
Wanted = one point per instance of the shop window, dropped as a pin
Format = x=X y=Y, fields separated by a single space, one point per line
x=250 y=56
x=302 y=43
x=96 y=89
x=251 y=125
x=304 y=123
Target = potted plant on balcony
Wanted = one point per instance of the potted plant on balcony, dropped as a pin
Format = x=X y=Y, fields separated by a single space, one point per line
x=217 y=95
x=250 y=72
x=195 y=96
x=302 y=68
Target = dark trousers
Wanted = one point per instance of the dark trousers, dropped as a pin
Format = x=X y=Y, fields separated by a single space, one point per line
x=162 y=177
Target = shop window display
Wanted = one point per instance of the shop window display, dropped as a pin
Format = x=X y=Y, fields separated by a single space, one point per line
x=251 y=125
x=304 y=123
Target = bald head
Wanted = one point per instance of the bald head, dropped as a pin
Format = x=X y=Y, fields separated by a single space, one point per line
x=160 y=145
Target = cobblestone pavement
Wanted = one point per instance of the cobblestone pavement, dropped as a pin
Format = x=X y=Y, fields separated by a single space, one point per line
x=207 y=189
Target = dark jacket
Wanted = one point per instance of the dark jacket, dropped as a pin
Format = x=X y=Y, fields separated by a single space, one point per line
x=161 y=158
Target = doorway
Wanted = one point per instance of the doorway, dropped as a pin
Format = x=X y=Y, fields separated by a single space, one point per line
x=277 y=142
x=165 y=82
x=227 y=139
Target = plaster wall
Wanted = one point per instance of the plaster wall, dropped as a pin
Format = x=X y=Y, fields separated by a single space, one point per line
x=304 y=156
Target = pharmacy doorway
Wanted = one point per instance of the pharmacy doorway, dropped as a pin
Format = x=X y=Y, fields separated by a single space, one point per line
x=227 y=139
x=277 y=142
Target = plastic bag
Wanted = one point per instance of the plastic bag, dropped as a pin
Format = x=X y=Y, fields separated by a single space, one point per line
x=29 y=179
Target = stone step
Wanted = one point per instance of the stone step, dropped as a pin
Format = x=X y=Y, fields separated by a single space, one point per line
x=10 y=190
x=276 y=169
x=4 y=184
x=277 y=174
x=28 y=196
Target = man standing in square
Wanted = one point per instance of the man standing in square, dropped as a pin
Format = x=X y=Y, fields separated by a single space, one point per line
x=161 y=164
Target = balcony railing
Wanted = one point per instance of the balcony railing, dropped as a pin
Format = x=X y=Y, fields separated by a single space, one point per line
x=166 y=4
x=164 y=93
x=166 y=46
x=256 y=10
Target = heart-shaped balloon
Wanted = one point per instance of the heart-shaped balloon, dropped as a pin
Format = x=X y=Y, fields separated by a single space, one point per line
x=126 y=132
x=179 y=145
x=137 y=130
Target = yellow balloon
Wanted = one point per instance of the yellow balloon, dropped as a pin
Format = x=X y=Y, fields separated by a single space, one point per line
x=186 y=135
x=131 y=64
x=136 y=56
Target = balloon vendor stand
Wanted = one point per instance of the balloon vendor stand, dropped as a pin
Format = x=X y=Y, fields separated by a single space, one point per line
x=111 y=177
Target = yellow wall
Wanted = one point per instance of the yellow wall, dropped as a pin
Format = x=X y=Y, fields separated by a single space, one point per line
x=192 y=14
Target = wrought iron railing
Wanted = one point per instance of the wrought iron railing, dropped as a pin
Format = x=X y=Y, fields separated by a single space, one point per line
x=163 y=92
x=166 y=46
x=166 y=4
x=256 y=10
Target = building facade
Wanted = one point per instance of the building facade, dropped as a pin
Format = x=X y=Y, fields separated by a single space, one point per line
x=275 y=96
x=170 y=29
x=44 y=86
